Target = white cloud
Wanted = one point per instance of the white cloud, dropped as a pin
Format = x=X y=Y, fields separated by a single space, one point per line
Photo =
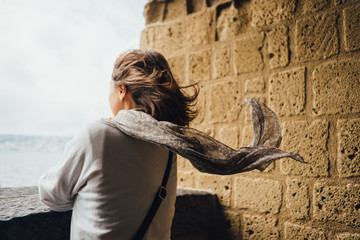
x=56 y=61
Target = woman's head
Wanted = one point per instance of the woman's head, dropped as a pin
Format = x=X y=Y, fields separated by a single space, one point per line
x=146 y=75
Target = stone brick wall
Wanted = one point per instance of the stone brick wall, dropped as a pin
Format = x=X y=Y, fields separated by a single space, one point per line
x=302 y=59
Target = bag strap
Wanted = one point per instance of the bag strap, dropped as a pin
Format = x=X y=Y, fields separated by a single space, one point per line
x=159 y=197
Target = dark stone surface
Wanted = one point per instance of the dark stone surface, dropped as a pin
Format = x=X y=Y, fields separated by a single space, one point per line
x=23 y=216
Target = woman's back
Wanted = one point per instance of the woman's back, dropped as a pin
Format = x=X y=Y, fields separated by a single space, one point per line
x=119 y=179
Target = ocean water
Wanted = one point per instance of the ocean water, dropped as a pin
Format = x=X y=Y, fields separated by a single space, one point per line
x=23 y=168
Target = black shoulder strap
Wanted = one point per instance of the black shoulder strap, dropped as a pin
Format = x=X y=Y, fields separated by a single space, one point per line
x=156 y=203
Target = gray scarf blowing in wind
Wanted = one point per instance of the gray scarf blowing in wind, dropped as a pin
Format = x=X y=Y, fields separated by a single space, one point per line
x=204 y=152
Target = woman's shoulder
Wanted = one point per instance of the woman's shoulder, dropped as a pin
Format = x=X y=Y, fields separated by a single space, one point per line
x=95 y=130
x=101 y=127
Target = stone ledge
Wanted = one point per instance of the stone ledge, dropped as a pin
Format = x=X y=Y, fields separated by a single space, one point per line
x=23 y=216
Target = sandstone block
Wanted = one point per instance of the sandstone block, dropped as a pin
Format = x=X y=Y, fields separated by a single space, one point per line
x=314 y=5
x=196 y=5
x=277 y=47
x=348 y=236
x=171 y=36
x=177 y=67
x=199 y=28
x=316 y=37
x=261 y=195
x=352 y=28
x=175 y=9
x=154 y=11
x=297 y=232
x=233 y=219
x=336 y=87
x=255 y=85
x=180 y=163
x=310 y=140
x=229 y=135
x=287 y=92
x=221 y=185
x=267 y=12
x=147 y=38
x=247 y=54
x=231 y=20
x=338 y=2
x=224 y=99
x=185 y=179
x=259 y=227
x=201 y=106
x=337 y=203
x=297 y=198
x=348 y=160
x=199 y=66
x=221 y=62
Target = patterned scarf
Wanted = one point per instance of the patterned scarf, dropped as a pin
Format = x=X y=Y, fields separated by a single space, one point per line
x=204 y=152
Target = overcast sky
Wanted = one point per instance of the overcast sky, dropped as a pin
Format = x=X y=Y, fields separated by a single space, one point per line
x=56 y=59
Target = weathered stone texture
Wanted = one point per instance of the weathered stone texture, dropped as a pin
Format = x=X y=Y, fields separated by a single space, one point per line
x=185 y=179
x=175 y=9
x=233 y=221
x=287 y=92
x=147 y=38
x=247 y=54
x=229 y=135
x=221 y=61
x=224 y=99
x=314 y=5
x=347 y=236
x=348 y=160
x=199 y=66
x=177 y=67
x=261 y=195
x=199 y=28
x=309 y=139
x=221 y=185
x=154 y=11
x=259 y=227
x=277 y=47
x=255 y=85
x=267 y=12
x=352 y=28
x=338 y=2
x=337 y=203
x=170 y=37
x=195 y=5
x=336 y=87
x=298 y=232
x=297 y=198
x=316 y=37
x=200 y=106
x=232 y=21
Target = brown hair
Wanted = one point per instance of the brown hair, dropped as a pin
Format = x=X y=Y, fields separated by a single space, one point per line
x=147 y=76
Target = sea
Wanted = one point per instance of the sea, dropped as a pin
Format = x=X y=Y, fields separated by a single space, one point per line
x=23 y=168
x=24 y=158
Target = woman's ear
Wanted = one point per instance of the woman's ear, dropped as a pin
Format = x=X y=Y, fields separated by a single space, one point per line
x=122 y=92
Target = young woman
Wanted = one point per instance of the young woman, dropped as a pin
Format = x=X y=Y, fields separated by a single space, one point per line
x=111 y=170
x=110 y=179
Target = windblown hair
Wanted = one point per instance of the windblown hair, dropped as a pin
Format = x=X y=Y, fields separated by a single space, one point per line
x=147 y=76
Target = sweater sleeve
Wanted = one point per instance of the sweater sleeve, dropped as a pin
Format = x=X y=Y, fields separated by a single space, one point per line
x=59 y=185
